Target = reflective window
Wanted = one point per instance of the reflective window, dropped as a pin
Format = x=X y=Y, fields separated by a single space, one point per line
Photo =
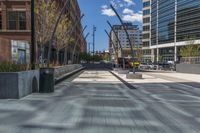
x=146 y=36
x=146 y=28
x=146 y=4
x=22 y=20
x=145 y=44
x=12 y=20
x=146 y=12
x=16 y=20
x=188 y=19
x=146 y=20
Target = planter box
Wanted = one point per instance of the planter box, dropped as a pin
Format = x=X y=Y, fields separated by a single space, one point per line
x=123 y=71
x=15 y=85
x=134 y=76
x=60 y=71
x=188 y=68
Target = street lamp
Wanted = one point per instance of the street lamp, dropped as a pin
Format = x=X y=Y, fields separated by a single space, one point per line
x=33 y=47
x=94 y=29
x=112 y=29
x=124 y=27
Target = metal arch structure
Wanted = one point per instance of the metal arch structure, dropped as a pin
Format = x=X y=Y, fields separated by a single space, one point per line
x=33 y=45
x=54 y=30
x=93 y=35
x=70 y=32
x=112 y=43
x=124 y=27
x=85 y=39
x=77 y=42
x=118 y=42
x=128 y=37
x=74 y=26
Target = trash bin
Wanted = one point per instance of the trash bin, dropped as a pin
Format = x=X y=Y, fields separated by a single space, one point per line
x=46 y=80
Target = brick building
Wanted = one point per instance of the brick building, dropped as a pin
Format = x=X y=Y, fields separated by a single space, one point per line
x=15 y=30
x=74 y=15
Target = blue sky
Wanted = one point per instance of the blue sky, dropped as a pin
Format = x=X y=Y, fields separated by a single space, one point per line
x=97 y=12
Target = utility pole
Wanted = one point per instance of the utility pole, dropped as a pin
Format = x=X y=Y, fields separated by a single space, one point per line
x=33 y=47
x=94 y=29
x=89 y=47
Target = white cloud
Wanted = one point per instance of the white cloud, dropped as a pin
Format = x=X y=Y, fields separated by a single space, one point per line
x=129 y=2
x=104 y=6
x=107 y=11
x=128 y=11
x=130 y=16
x=121 y=3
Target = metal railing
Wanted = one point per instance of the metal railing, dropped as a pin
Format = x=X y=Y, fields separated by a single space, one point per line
x=190 y=60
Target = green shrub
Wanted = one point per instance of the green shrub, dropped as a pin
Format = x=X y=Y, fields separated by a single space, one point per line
x=13 y=67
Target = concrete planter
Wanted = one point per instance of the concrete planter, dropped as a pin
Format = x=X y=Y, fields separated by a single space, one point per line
x=63 y=72
x=188 y=68
x=59 y=71
x=15 y=85
x=117 y=69
x=134 y=76
x=123 y=71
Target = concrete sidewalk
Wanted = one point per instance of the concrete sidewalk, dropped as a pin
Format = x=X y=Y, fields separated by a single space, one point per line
x=97 y=102
x=185 y=77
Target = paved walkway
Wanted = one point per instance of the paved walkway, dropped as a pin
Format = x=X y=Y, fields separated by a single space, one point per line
x=183 y=76
x=97 y=102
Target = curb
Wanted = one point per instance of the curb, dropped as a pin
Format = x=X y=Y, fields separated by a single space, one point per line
x=67 y=75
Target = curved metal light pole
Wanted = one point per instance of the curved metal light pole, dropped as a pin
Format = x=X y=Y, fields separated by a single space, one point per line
x=112 y=44
x=118 y=42
x=94 y=29
x=77 y=43
x=54 y=30
x=85 y=39
x=70 y=34
x=124 y=27
x=33 y=47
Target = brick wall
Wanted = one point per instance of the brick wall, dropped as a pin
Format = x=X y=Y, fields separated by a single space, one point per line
x=5 y=50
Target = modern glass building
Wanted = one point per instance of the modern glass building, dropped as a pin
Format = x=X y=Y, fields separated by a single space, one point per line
x=146 y=39
x=188 y=19
x=172 y=21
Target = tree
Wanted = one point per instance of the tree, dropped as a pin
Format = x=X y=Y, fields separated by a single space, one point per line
x=45 y=17
x=190 y=49
x=62 y=39
x=85 y=57
x=59 y=15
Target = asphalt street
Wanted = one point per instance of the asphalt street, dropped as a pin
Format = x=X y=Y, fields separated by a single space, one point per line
x=98 y=102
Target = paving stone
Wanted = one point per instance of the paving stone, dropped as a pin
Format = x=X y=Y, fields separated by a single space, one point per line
x=97 y=102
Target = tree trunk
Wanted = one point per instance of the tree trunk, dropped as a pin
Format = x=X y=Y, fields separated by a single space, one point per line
x=54 y=30
x=57 y=57
x=66 y=56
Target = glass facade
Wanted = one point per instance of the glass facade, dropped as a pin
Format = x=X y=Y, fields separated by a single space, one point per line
x=153 y=22
x=146 y=12
x=188 y=19
x=146 y=4
x=146 y=20
x=163 y=18
x=166 y=21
